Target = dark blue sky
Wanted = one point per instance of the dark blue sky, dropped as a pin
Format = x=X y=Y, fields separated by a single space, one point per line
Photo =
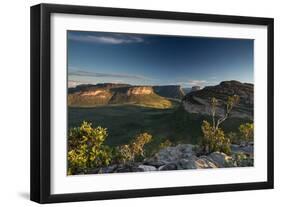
x=98 y=57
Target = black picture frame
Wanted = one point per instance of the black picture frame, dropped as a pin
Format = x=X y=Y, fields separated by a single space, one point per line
x=41 y=96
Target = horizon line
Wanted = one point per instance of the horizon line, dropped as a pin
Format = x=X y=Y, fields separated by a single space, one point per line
x=172 y=84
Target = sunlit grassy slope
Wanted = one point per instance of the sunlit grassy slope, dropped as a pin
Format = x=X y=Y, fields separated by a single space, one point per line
x=150 y=100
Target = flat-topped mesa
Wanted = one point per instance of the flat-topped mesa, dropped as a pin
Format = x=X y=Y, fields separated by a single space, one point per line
x=91 y=87
x=116 y=94
x=112 y=85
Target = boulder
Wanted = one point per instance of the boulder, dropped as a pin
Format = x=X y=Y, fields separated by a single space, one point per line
x=221 y=160
x=109 y=169
x=154 y=163
x=196 y=163
x=129 y=169
x=174 y=154
x=147 y=168
x=170 y=166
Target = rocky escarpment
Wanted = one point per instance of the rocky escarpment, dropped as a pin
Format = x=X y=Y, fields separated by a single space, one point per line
x=139 y=95
x=109 y=93
x=87 y=98
x=169 y=91
x=198 y=101
x=184 y=157
x=90 y=87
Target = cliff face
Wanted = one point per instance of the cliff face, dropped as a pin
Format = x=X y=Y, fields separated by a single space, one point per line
x=103 y=94
x=198 y=101
x=88 y=98
x=140 y=90
x=89 y=87
x=169 y=91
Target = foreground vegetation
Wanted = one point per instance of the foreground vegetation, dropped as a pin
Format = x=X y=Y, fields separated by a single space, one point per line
x=88 y=147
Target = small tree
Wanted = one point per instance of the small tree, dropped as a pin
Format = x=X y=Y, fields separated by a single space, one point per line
x=130 y=152
x=247 y=132
x=214 y=138
x=86 y=149
x=230 y=103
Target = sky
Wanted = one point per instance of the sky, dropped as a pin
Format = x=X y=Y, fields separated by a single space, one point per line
x=144 y=59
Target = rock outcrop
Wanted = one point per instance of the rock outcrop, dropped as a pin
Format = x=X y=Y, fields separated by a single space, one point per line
x=198 y=101
x=184 y=157
x=169 y=91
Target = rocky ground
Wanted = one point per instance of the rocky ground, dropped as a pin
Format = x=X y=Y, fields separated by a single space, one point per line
x=185 y=156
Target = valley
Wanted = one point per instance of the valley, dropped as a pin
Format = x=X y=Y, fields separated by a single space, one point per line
x=175 y=118
x=127 y=110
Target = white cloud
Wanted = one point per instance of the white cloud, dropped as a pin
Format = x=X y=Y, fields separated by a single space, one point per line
x=72 y=83
x=190 y=83
x=111 y=75
x=107 y=38
x=197 y=82
x=194 y=82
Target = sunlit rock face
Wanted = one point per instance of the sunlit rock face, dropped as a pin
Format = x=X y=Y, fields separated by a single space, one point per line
x=96 y=93
x=116 y=94
x=140 y=90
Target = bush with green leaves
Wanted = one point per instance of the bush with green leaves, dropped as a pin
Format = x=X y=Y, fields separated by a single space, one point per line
x=165 y=144
x=247 y=132
x=135 y=150
x=214 y=138
x=86 y=148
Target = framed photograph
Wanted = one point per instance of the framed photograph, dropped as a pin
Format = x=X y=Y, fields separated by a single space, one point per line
x=133 y=103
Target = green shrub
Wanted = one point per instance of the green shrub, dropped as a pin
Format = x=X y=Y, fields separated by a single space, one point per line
x=214 y=140
x=135 y=150
x=245 y=134
x=247 y=131
x=213 y=136
x=86 y=149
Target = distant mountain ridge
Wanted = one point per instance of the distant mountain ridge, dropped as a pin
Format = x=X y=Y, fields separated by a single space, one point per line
x=87 y=87
x=110 y=93
x=198 y=101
